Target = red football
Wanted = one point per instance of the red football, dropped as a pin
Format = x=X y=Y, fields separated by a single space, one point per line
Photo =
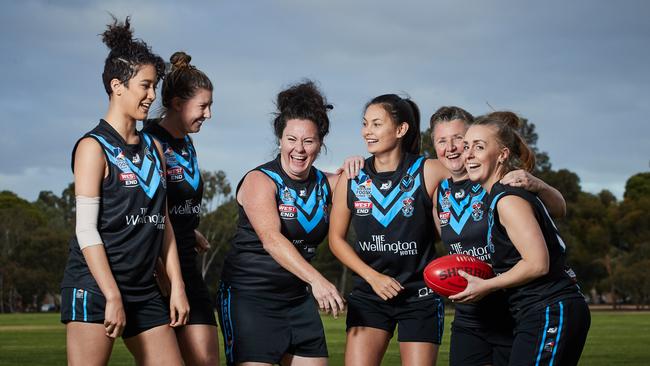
x=441 y=275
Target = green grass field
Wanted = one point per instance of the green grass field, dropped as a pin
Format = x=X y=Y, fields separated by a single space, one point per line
x=615 y=338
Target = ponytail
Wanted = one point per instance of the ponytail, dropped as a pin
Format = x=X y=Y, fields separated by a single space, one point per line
x=507 y=124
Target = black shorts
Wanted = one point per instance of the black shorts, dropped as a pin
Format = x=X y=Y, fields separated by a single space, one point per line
x=201 y=307
x=417 y=321
x=478 y=346
x=79 y=305
x=259 y=329
x=554 y=334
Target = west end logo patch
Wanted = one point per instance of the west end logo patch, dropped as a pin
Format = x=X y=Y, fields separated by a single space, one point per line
x=362 y=208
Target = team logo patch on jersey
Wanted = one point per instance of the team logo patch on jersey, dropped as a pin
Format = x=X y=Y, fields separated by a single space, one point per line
x=407 y=207
x=129 y=179
x=477 y=210
x=445 y=203
x=386 y=185
x=476 y=190
x=444 y=218
x=406 y=183
x=460 y=194
x=286 y=196
x=121 y=159
x=364 y=190
x=170 y=157
x=175 y=174
x=362 y=208
x=136 y=159
x=287 y=211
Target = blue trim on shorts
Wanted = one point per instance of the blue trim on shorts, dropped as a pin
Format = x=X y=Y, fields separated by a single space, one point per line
x=85 y=309
x=74 y=303
x=559 y=333
x=541 y=345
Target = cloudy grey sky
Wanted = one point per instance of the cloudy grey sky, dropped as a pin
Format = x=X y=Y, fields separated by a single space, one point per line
x=577 y=69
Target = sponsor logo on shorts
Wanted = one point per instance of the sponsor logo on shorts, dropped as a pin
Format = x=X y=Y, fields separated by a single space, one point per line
x=175 y=174
x=287 y=211
x=129 y=179
x=424 y=292
x=362 y=208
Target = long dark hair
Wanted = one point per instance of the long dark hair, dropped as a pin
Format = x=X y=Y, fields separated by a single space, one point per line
x=402 y=110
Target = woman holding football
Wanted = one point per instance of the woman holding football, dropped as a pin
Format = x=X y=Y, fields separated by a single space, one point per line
x=528 y=255
x=481 y=333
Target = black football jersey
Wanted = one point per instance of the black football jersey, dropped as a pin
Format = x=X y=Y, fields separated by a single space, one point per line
x=393 y=222
x=304 y=218
x=462 y=210
x=131 y=217
x=184 y=190
x=556 y=284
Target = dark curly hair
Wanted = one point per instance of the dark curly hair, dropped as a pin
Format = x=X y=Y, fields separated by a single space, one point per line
x=127 y=55
x=302 y=101
x=183 y=80
x=402 y=110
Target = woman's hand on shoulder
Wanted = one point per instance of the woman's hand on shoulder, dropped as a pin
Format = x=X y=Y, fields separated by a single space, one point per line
x=351 y=167
x=523 y=179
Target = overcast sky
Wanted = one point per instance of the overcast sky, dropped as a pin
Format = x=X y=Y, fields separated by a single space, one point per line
x=577 y=69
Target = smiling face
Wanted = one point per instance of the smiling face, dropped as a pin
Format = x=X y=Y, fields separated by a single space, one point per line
x=194 y=111
x=299 y=147
x=447 y=139
x=484 y=155
x=136 y=98
x=380 y=131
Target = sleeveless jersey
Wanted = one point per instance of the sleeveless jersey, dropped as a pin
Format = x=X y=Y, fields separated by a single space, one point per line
x=184 y=190
x=556 y=284
x=393 y=222
x=304 y=219
x=131 y=216
x=462 y=208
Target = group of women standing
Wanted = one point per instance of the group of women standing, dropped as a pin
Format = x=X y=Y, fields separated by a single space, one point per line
x=131 y=269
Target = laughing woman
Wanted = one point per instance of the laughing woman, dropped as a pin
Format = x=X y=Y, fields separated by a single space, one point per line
x=108 y=287
x=389 y=205
x=527 y=253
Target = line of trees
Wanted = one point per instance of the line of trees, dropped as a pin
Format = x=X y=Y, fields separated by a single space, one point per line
x=608 y=240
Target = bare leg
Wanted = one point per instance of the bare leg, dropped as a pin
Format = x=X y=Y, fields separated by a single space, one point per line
x=87 y=344
x=366 y=346
x=156 y=346
x=418 y=353
x=199 y=344
x=293 y=360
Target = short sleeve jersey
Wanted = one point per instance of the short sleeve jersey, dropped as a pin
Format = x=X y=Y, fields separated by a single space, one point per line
x=131 y=216
x=184 y=189
x=556 y=284
x=393 y=222
x=462 y=211
x=302 y=207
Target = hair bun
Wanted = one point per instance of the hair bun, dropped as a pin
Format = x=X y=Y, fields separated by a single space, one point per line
x=180 y=60
x=118 y=34
x=508 y=118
